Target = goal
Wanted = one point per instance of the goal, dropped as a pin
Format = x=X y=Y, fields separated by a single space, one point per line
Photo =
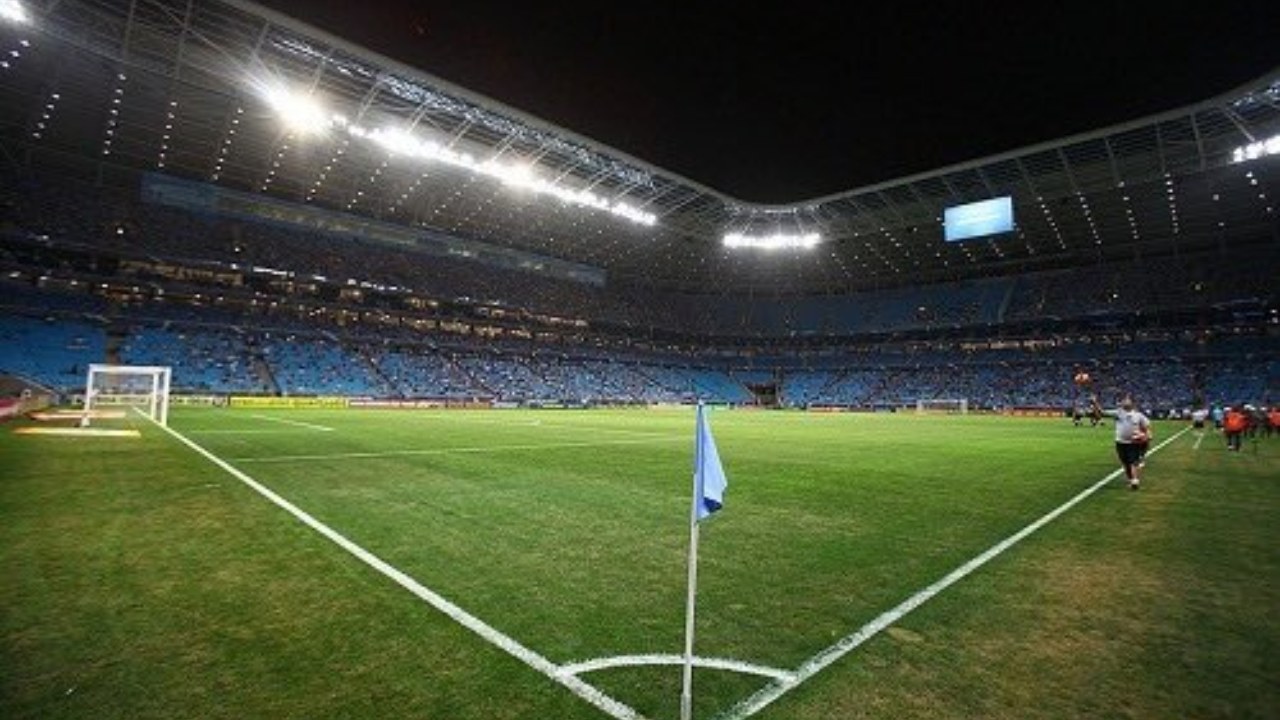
x=950 y=406
x=144 y=388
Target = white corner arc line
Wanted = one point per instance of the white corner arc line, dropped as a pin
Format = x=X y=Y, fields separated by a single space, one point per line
x=590 y=693
x=766 y=695
x=616 y=661
x=295 y=423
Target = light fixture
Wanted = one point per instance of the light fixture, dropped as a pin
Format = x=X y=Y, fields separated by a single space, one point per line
x=14 y=12
x=304 y=114
x=1255 y=150
x=300 y=113
x=776 y=241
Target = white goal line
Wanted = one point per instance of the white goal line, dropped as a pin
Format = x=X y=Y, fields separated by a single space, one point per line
x=506 y=643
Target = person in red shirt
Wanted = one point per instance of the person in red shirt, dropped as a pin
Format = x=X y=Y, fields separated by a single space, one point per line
x=1234 y=425
x=1273 y=420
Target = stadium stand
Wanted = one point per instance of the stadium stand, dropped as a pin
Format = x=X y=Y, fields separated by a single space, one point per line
x=264 y=348
x=52 y=351
x=423 y=373
x=244 y=291
x=315 y=365
x=206 y=360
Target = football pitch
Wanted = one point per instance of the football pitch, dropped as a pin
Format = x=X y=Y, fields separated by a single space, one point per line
x=532 y=564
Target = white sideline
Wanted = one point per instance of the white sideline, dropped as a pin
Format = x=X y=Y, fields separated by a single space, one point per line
x=848 y=643
x=446 y=451
x=491 y=634
x=617 y=661
x=256 y=431
x=454 y=417
x=295 y=423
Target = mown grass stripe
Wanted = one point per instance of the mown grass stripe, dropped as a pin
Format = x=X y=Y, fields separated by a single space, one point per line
x=770 y=693
x=449 y=450
x=294 y=423
x=512 y=647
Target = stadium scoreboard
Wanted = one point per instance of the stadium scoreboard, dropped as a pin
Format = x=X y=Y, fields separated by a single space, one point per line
x=979 y=219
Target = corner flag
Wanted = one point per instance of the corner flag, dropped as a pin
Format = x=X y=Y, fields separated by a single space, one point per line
x=708 y=474
x=709 y=483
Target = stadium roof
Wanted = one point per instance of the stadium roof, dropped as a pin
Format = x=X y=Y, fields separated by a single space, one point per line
x=801 y=100
x=233 y=93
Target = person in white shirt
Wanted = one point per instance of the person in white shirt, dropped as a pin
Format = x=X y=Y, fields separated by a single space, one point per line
x=1133 y=433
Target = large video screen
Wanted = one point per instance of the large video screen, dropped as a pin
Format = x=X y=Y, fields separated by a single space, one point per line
x=980 y=219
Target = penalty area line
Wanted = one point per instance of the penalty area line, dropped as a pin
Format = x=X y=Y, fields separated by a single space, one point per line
x=768 y=694
x=502 y=641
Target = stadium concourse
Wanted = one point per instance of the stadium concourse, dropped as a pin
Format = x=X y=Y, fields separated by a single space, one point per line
x=271 y=228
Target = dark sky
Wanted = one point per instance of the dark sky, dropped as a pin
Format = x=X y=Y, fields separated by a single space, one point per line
x=795 y=101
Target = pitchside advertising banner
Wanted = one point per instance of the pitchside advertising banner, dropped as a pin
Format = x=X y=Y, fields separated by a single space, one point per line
x=398 y=404
x=198 y=400
x=1035 y=412
x=9 y=408
x=252 y=401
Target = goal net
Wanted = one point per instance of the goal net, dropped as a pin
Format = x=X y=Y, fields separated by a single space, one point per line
x=114 y=389
x=951 y=406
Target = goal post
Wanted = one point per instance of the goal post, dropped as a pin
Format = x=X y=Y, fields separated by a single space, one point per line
x=142 y=387
x=952 y=406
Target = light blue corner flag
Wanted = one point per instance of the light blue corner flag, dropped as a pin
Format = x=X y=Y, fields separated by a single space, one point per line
x=709 y=484
x=708 y=474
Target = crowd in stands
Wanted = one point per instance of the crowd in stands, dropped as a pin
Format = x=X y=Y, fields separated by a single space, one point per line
x=56 y=350
x=315 y=365
x=422 y=374
x=1166 y=384
x=242 y=307
x=205 y=360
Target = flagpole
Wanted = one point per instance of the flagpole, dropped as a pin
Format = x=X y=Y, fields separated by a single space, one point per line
x=686 y=692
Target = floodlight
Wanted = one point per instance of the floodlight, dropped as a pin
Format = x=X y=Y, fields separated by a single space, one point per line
x=633 y=213
x=301 y=114
x=516 y=175
x=14 y=12
x=1255 y=150
x=777 y=241
x=396 y=142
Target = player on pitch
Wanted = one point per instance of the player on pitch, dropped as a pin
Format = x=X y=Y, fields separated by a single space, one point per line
x=1133 y=434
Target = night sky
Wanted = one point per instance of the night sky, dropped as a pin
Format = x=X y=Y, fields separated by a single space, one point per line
x=796 y=102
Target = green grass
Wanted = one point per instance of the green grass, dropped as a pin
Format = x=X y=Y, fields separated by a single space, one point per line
x=140 y=580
